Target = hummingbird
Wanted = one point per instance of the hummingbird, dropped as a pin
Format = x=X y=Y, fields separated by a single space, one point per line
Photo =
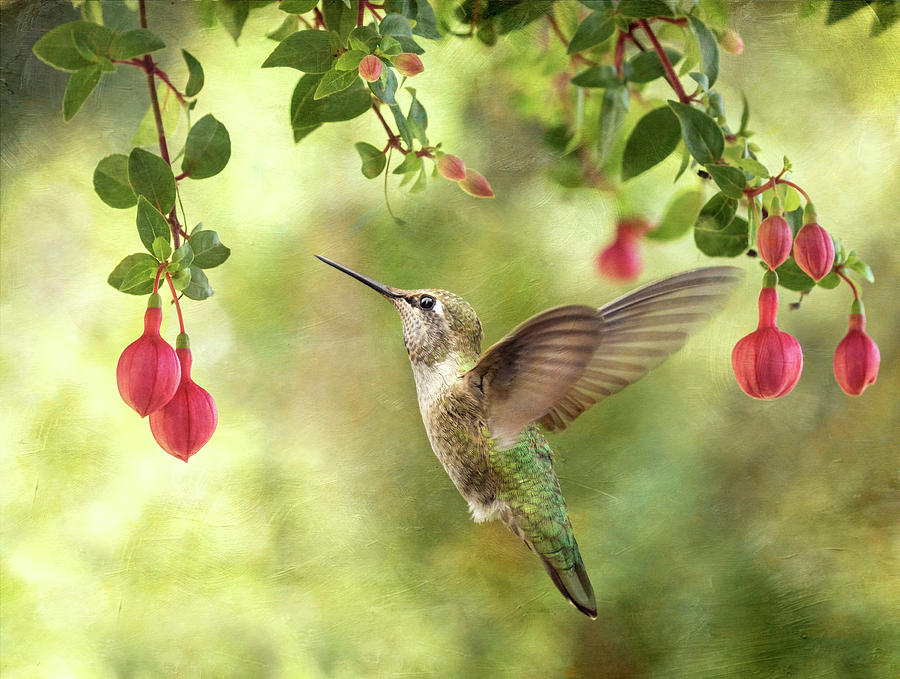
x=484 y=412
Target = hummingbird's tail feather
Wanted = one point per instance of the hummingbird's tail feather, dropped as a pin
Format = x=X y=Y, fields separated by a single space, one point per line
x=575 y=585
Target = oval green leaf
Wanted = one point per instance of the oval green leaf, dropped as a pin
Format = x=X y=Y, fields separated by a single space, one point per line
x=652 y=140
x=208 y=250
x=702 y=135
x=139 y=269
x=679 y=216
x=647 y=66
x=730 y=180
x=730 y=241
x=596 y=28
x=134 y=43
x=709 y=50
x=198 y=288
x=81 y=84
x=151 y=225
x=74 y=45
x=195 y=74
x=373 y=159
x=307 y=51
x=207 y=149
x=111 y=182
x=150 y=176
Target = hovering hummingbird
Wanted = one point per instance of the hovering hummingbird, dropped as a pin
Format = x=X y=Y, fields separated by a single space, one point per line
x=482 y=410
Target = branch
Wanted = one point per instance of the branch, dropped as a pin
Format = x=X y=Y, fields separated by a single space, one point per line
x=667 y=65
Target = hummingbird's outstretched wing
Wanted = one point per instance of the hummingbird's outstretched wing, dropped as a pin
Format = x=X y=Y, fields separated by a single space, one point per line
x=559 y=363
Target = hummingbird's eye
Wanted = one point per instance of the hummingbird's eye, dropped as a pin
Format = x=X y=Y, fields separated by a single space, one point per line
x=426 y=302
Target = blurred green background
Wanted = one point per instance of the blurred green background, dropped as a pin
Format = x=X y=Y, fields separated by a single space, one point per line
x=316 y=535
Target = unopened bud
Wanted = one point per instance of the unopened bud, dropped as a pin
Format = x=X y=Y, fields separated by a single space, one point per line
x=814 y=251
x=408 y=64
x=370 y=68
x=856 y=359
x=731 y=41
x=476 y=185
x=452 y=168
x=774 y=240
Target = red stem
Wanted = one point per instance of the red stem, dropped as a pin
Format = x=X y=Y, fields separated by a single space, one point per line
x=771 y=183
x=393 y=139
x=555 y=26
x=361 y=12
x=175 y=299
x=150 y=69
x=319 y=19
x=619 y=53
x=801 y=191
x=667 y=65
x=159 y=271
x=839 y=271
x=677 y=22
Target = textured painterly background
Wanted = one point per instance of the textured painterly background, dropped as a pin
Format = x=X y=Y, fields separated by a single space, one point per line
x=317 y=535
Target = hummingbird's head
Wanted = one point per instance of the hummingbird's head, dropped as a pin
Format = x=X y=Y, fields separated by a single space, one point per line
x=436 y=323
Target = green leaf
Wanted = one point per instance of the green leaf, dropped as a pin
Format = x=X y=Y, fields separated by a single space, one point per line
x=709 y=50
x=207 y=149
x=754 y=167
x=161 y=248
x=58 y=47
x=91 y=10
x=308 y=113
x=297 y=6
x=421 y=181
x=181 y=279
x=385 y=88
x=81 y=83
x=111 y=182
x=612 y=113
x=792 y=277
x=170 y=110
x=373 y=160
x=730 y=241
x=150 y=176
x=183 y=256
x=139 y=270
x=839 y=10
x=195 y=75
x=789 y=196
x=730 y=179
x=652 y=140
x=685 y=161
x=887 y=12
x=680 y=215
x=645 y=9
x=647 y=66
x=402 y=124
x=717 y=213
x=307 y=51
x=340 y=17
x=701 y=79
x=702 y=135
x=830 y=281
x=398 y=26
x=597 y=76
x=134 y=43
x=233 y=15
x=349 y=61
x=287 y=27
x=417 y=118
x=745 y=115
x=151 y=225
x=335 y=81
x=390 y=46
x=411 y=163
x=198 y=288
x=208 y=250
x=364 y=39
x=596 y=28
x=854 y=263
x=425 y=21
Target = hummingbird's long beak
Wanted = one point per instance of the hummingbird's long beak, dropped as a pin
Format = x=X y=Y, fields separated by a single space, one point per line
x=385 y=290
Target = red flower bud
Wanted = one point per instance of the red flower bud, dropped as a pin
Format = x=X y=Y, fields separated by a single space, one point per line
x=814 y=251
x=767 y=363
x=188 y=421
x=476 y=185
x=731 y=42
x=621 y=260
x=773 y=241
x=148 y=371
x=370 y=68
x=408 y=64
x=856 y=358
x=451 y=167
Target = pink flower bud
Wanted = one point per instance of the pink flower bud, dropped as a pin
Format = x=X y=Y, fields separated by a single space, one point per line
x=148 y=371
x=408 y=64
x=731 y=42
x=856 y=358
x=814 y=251
x=621 y=260
x=188 y=421
x=774 y=241
x=767 y=363
x=476 y=185
x=451 y=167
x=370 y=68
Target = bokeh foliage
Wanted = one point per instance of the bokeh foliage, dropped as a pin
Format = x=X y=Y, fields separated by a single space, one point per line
x=316 y=535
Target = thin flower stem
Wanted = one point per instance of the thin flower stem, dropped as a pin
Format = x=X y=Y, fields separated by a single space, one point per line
x=667 y=65
x=361 y=12
x=677 y=22
x=619 y=53
x=839 y=270
x=150 y=69
x=159 y=270
x=771 y=183
x=792 y=184
x=556 y=29
x=175 y=300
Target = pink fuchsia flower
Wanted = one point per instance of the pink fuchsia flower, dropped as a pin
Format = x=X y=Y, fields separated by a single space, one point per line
x=452 y=168
x=148 y=371
x=774 y=240
x=814 y=251
x=408 y=64
x=370 y=68
x=476 y=185
x=856 y=359
x=188 y=421
x=731 y=41
x=621 y=260
x=767 y=363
